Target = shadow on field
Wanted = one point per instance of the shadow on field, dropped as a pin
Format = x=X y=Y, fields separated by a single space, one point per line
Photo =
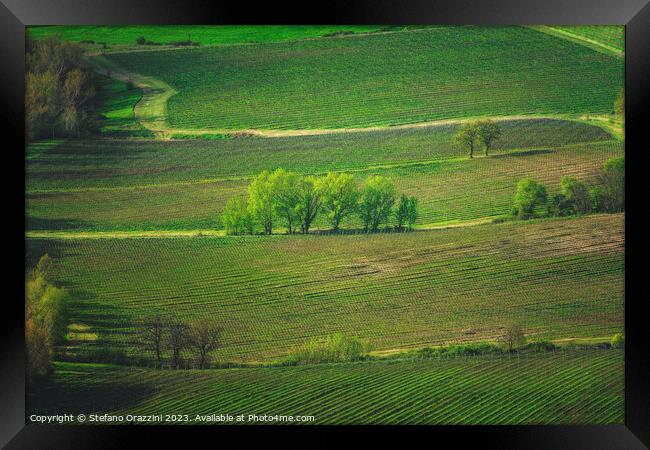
x=43 y=224
x=84 y=394
x=524 y=153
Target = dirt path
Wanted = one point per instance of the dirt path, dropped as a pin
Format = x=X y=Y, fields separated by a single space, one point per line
x=583 y=40
x=151 y=111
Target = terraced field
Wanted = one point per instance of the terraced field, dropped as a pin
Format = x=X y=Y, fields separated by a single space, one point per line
x=153 y=185
x=408 y=77
x=560 y=278
x=571 y=387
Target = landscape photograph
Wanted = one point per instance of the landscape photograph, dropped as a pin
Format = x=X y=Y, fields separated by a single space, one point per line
x=325 y=225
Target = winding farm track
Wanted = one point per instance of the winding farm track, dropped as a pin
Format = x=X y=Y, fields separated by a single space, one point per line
x=151 y=110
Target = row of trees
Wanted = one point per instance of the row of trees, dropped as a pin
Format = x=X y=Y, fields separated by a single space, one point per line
x=59 y=90
x=297 y=200
x=44 y=318
x=607 y=194
x=478 y=133
x=169 y=340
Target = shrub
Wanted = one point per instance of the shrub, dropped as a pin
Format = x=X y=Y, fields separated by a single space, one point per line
x=618 y=340
x=330 y=349
x=539 y=347
x=609 y=193
x=513 y=338
x=141 y=40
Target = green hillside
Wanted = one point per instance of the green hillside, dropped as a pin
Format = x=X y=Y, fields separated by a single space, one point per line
x=381 y=79
x=560 y=278
x=572 y=387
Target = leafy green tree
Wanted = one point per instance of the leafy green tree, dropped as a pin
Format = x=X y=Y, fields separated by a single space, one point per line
x=468 y=136
x=340 y=197
x=401 y=214
x=619 y=105
x=44 y=318
x=236 y=217
x=309 y=204
x=608 y=194
x=262 y=200
x=618 y=340
x=488 y=132
x=530 y=195
x=576 y=195
x=412 y=215
x=287 y=196
x=377 y=199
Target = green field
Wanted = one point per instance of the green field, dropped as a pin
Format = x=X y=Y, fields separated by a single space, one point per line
x=131 y=218
x=561 y=278
x=153 y=185
x=611 y=36
x=204 y=34
x=572 y=387
x=408 y=77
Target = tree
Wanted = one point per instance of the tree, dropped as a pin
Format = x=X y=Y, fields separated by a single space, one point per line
x=513 y=337
x=203 y=337
x=236 y=217
x=619 y=104
x=59 y=90
x=412 y=215
x=609 y=192
x=377 y=198
x=153 y=336
x=262 y=200
x=468 y=136
x=488 y=132
x=177 y=342
x=576 y=195
x=309 y=203
x=401 y=214
x=287 y=196
x=339 y=197
x=44 y=318
x=618 y=340
x=530 y=194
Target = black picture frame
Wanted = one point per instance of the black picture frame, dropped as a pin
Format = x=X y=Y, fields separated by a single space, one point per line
x=635 y=14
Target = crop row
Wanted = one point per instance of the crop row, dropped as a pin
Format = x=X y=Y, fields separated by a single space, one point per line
x=558 y=278
x=568 y=387
x=381 y=79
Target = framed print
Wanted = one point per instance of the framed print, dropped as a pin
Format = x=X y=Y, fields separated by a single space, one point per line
x=381 y=219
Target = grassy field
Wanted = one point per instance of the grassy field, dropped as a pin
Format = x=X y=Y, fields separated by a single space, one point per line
x=148 y=185
x=571 y=387
x=611 y=36
x=560 y=278
x=408 y=77
x=117 y=101
x=204 y=34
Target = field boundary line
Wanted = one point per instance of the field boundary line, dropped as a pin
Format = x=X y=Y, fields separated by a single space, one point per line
x=151 y=110
x=582 y=40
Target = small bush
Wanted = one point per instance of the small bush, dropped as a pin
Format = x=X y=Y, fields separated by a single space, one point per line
x=618 y=340
x=141 y=40
x=330 y=349
x=539 y=347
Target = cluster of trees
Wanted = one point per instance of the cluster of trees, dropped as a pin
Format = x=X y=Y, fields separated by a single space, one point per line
x=297 y=200
x=478 y=133
x=44 y=318
x=169 y=338
x=607 y=194
x=59 y=90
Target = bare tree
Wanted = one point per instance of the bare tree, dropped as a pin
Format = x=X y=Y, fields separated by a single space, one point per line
x=153 y=336
x=178 y=340
x=513 y=337
x=204 y=338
